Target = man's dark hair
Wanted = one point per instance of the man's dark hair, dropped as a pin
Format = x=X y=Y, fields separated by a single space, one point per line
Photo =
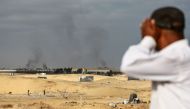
x=170 y=18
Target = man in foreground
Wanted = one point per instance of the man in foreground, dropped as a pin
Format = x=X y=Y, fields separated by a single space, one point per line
x=163 y=56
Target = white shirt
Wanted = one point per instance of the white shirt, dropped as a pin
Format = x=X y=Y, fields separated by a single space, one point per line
x=168 y=69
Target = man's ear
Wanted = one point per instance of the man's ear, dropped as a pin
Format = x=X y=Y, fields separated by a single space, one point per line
x=153 y=22
x=157 y=29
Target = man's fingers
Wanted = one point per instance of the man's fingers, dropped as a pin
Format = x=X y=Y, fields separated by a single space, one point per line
x=142 y=23
x=148 y=27
x=147 y=23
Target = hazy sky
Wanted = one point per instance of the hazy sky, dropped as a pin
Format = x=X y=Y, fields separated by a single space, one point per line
x=79 y=33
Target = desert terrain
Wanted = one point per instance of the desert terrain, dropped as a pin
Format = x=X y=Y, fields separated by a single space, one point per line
x=64 y=91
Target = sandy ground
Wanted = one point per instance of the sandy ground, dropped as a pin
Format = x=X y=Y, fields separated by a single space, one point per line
x=66 y=92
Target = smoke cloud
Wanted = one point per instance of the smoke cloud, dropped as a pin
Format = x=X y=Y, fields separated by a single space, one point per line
x=84 y=45
x=36 y=60
x=95 y=38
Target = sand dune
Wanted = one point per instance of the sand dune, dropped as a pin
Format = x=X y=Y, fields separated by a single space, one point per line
x=66 y=92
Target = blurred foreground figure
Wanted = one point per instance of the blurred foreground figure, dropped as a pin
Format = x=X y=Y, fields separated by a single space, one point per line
x=163 y=56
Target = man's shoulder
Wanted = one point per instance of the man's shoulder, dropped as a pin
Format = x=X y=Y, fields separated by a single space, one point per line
x=178 y=50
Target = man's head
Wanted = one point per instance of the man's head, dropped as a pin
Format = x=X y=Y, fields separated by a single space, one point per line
x=170 y=18
x=166 y=25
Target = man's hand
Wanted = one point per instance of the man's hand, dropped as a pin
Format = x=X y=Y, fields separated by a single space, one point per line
x=148 y=28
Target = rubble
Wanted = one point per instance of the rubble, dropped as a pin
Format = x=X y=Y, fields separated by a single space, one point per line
x=113 y=105
x=42 y=75
x=86 y=78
